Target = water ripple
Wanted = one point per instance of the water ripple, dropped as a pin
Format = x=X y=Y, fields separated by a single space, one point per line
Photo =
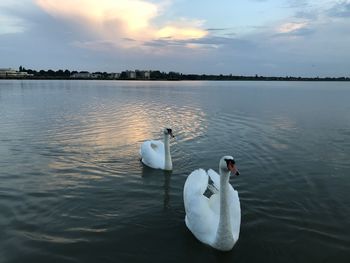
x=73 y=188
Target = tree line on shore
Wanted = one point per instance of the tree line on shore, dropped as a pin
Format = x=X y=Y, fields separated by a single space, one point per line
x=159 y=75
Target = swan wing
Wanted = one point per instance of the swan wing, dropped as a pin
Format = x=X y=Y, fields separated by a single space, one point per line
x=235 y=212
x=200 y=218
x=152 y=154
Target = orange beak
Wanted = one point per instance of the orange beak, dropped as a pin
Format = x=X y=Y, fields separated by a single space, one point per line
x=233 y=169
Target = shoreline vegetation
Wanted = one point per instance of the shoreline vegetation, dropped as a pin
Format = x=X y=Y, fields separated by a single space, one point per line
x=152 y=75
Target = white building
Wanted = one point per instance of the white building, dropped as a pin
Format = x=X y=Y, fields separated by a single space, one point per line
x=143 y=74
x=95 y=75
x=146 y=74
x=131 y=74
x=114 y=75
x=12 y=73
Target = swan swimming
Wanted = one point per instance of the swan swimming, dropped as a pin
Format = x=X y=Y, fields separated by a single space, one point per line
x=156 y=154
x=215 y=219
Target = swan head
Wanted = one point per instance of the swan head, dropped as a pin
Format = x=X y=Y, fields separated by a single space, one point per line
x=168 y=131
x=228 y=165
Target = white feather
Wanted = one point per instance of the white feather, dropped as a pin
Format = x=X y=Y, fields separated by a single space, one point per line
x=203 y=213
x=152 y=154
x=156 y=154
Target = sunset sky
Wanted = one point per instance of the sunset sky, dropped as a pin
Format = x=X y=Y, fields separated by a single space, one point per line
x=239 y=37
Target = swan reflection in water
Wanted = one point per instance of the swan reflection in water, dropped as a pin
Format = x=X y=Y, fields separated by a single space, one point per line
x=153 y=177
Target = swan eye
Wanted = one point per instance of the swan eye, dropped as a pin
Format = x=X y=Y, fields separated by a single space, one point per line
x=228 y=161
x=169 y=131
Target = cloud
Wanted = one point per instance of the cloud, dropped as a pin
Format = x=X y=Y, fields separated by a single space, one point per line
x=12 y=19
x=115 y=21
x=305 y=14
x=309 y=38
x=10 y=25
x=297 y=3
x=293 y=30
x=217 y=29
x=291 y=27
x=180 y=33
x=340 y=10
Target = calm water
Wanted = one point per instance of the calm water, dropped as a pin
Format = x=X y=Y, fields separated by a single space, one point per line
x=72 y=188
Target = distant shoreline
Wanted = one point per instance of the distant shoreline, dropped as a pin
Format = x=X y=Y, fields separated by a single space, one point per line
x=146 y=75
x=325 y=79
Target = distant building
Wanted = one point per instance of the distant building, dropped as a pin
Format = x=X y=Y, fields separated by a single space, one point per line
x=114 y=75
x=130 y=74
x=5 y=72
x=12 y=73
x=147 y=74
x=143 y=74
x=95 y=75
x=81 y=75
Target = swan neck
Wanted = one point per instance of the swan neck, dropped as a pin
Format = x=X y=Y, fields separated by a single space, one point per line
x=167 y=158
x=224 y=187
x=224 y=237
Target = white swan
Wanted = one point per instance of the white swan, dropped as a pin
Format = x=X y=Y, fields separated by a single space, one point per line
x=212 y=206
x=156 y=154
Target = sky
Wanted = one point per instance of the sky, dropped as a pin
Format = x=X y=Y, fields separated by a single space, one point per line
x=305 y=38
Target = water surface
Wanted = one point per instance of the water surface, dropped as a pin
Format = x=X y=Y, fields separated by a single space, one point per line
x=73 y=190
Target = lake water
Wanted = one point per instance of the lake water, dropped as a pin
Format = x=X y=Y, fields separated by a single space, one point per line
x=72 y=188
